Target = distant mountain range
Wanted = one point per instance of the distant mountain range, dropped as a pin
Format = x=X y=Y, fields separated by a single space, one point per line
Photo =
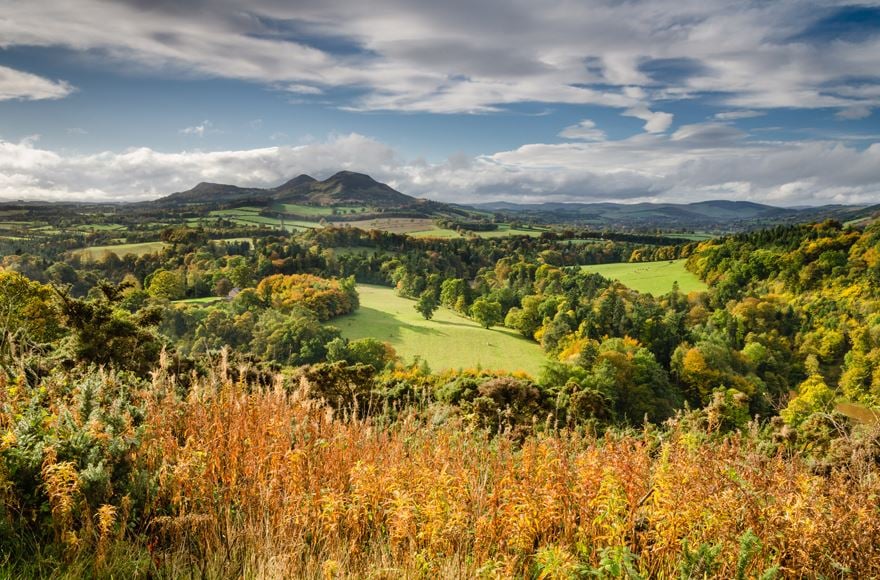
x=707 y=215
x=343 y=188
x=347 y=188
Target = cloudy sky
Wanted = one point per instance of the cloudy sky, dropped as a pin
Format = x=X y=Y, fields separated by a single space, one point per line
x=461 y=100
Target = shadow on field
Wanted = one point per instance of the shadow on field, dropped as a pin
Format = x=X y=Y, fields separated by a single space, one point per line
x=449 y=323
x=384 y=325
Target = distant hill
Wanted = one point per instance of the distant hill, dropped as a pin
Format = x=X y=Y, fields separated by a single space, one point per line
x=347 y=188
x=212 y=193
x=343 y=188
x=716 y=215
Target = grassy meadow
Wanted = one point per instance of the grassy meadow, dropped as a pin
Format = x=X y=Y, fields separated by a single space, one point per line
x=318 y=210
x=139 y=249
x=651 y=277
x=415 y=227
x=446 y=341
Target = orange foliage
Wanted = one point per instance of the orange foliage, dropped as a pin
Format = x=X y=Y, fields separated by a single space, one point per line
x=273 y=480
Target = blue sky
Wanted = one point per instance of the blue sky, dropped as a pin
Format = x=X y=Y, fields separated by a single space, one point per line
x=656 y=100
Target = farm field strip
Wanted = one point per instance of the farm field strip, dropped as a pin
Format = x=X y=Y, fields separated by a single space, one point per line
x=650 y=277
x=137 y=249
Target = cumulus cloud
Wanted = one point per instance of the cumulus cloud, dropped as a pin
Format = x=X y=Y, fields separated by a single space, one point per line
x=29 y=172
x=456 y=56
x=24 y=86
x=586 y=130
x=696 y=162
x=655 y=122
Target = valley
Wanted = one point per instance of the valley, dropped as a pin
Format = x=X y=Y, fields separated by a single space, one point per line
x=381 y=354
x=446 y=341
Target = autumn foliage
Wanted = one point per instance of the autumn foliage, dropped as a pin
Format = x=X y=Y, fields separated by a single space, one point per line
x=235 y=480
x=326 y=298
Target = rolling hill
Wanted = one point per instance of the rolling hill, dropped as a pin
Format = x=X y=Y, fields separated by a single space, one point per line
x=358 y=196
x=345 y=187
x=342 y=188
x=715 y=215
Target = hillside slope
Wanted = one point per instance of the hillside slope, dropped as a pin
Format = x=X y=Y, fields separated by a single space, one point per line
x=344 y=187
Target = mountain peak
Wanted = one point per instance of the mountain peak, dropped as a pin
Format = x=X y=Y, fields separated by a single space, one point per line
x=299 y=185
x=352 y=178
x=343 y=187
x=298 y=181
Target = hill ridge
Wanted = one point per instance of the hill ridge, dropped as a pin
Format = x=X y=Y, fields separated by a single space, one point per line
x=343 y=187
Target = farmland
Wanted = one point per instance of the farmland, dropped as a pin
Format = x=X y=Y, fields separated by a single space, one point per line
x=139 y=249
x=651 y=277
x=446 y=341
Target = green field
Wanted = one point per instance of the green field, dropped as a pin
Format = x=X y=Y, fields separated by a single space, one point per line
x=693 y=236
x=98 y=252
x=435 y=232
x=318 y=210
x=446 y=341
x=100 y=227
x=250 y=216
x=201 y=301
x=503 y=230
x=650 y=277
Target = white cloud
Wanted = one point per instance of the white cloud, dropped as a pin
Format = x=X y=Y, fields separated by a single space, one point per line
x=476 y=57
x=696 y=162
x=736 y=115
x=76 y=131
x=24 y=86
x=302 y=89
x=586 y=130
x=655 y=122
x=28 y=172
x=854 y=113
x=197 y=130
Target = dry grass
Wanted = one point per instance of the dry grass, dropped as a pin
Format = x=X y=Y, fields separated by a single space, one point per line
x=270 y=484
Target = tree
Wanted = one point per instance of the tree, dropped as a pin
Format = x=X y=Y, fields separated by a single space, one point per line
x=814 y=396
x=453 y=290
x=28 y=317
x=364 y=351
x=239 y=272
x=486 y=312
x=427 y=304
x=371 y=352
x=222 y=287
x=326 y=298
x=101 y=333
x=293 y=338
x=166 y=284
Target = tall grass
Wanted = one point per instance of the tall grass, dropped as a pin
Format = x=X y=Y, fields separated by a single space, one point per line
x=269 y=483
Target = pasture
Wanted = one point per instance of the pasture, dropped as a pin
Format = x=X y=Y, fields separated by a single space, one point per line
x=318 y=210
x=650 y=277
x=139 y=249
x=447 y=341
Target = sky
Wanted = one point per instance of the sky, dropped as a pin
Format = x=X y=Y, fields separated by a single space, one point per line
x=773 y=101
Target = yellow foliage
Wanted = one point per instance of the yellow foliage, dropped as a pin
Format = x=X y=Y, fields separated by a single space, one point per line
x=270 y=474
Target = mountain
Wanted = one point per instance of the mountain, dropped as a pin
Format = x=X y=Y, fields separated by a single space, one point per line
x=343 y=188
x=206 y=192
x=298 y=184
